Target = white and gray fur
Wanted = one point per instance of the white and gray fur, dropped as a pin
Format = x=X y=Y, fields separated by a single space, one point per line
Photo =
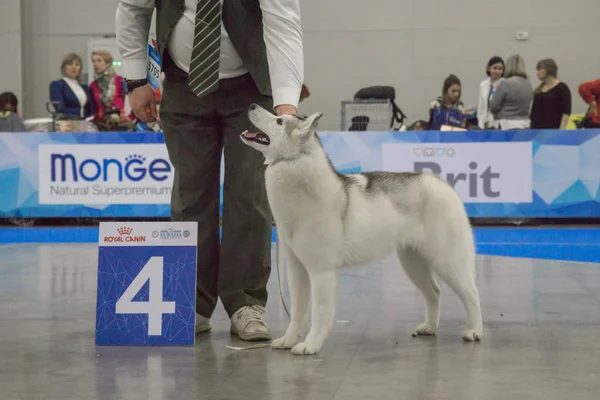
x=327 y=220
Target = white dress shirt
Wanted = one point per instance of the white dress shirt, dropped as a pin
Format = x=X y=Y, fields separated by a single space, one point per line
x=282 y=36
x=79 y=93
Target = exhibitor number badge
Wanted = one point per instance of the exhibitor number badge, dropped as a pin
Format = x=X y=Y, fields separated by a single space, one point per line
x=154 y=65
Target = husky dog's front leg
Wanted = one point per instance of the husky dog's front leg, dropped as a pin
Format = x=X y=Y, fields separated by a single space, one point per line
x=299 y=285
x=324 y=284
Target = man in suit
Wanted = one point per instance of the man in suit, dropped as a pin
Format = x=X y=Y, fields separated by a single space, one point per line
x=218 y=56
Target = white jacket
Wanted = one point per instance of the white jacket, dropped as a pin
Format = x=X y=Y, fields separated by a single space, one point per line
x=483 y=113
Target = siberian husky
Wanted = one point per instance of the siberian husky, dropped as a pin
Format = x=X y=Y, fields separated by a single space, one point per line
x=327 y=220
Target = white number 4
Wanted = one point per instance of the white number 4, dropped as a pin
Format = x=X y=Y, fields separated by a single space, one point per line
x=155 y=307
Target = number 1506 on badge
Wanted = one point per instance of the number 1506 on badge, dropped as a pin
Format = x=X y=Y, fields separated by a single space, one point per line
x=146 y=283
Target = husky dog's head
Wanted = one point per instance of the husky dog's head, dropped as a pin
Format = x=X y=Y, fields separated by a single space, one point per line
x=280 y=138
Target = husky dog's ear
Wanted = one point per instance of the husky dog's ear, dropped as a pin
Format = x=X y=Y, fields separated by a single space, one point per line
x=309 y=124
x=312 y=120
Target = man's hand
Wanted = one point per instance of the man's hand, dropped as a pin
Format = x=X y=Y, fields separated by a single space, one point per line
x=143 y=103
x=285 y=109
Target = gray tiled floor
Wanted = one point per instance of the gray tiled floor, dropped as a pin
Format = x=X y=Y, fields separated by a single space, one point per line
x=542 y=339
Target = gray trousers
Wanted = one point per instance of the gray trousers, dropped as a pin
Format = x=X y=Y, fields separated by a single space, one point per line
x=197 y=130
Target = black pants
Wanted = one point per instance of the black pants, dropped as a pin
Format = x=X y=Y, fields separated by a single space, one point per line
x=197 y=131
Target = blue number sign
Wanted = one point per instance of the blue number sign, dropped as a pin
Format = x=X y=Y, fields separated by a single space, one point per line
x=146 y=283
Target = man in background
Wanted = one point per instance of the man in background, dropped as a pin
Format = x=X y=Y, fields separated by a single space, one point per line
x=218 y=57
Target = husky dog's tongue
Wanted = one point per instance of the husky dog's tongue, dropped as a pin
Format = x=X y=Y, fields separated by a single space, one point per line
x=258 y=137
x=249 y=135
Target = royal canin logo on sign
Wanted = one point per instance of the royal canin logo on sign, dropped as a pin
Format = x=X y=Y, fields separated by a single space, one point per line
x=125 y=230
x=124 y=236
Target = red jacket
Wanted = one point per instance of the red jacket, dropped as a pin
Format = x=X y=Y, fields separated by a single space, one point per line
x=118 y=99
x=588 y=92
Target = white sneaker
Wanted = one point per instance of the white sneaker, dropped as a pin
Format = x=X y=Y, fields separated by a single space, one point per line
x=202 y=324
x=248 y=324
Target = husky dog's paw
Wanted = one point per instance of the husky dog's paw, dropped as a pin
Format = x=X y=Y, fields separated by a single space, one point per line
x=285 y=343
x=471 y=335
x=305 y=348
x=425 y=330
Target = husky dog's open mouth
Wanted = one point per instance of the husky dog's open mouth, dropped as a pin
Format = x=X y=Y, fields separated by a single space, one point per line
x=258 y=137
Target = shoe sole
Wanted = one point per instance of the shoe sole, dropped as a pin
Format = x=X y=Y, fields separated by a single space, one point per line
x=254 y=337
x=202 y=329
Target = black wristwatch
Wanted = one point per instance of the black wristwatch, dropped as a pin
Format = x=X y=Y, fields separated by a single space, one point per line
x=132 y=84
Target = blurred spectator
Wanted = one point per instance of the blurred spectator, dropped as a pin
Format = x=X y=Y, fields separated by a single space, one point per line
x=487 y=88
x=304 y=93
x=108 y=94
x=74 y=98
x=551 y=106
x=590 y=93
x=512 y=100
x=448 y=109
x=9 y=102
x=10 y=121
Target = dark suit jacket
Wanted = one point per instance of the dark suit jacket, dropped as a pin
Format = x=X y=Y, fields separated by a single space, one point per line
x=69 y=105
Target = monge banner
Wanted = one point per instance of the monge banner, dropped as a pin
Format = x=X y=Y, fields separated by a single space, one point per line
x=104 y=174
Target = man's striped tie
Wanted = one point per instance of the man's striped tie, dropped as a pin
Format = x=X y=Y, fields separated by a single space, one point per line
x=204 y=66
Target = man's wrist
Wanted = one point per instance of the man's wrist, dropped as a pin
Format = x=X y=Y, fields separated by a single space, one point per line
x=132 y=84
x=283 y=109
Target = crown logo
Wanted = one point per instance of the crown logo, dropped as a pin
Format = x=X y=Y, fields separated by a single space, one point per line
x=125 y=230
x=135 y=157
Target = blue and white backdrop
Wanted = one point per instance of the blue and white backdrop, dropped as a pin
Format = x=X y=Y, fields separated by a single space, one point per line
x=499 y=174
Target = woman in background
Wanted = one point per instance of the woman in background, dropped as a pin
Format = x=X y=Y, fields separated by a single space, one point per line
x=590 y=93
x=551 y=100
x=487 y=88
x=448 y=109
x=512 y=100
x=74 y=98
x=10 y=121
x=9 y=102
x=108 y=93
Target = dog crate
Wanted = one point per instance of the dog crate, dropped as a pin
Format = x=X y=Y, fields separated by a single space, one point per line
x=372 y=109
x=366 y=115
